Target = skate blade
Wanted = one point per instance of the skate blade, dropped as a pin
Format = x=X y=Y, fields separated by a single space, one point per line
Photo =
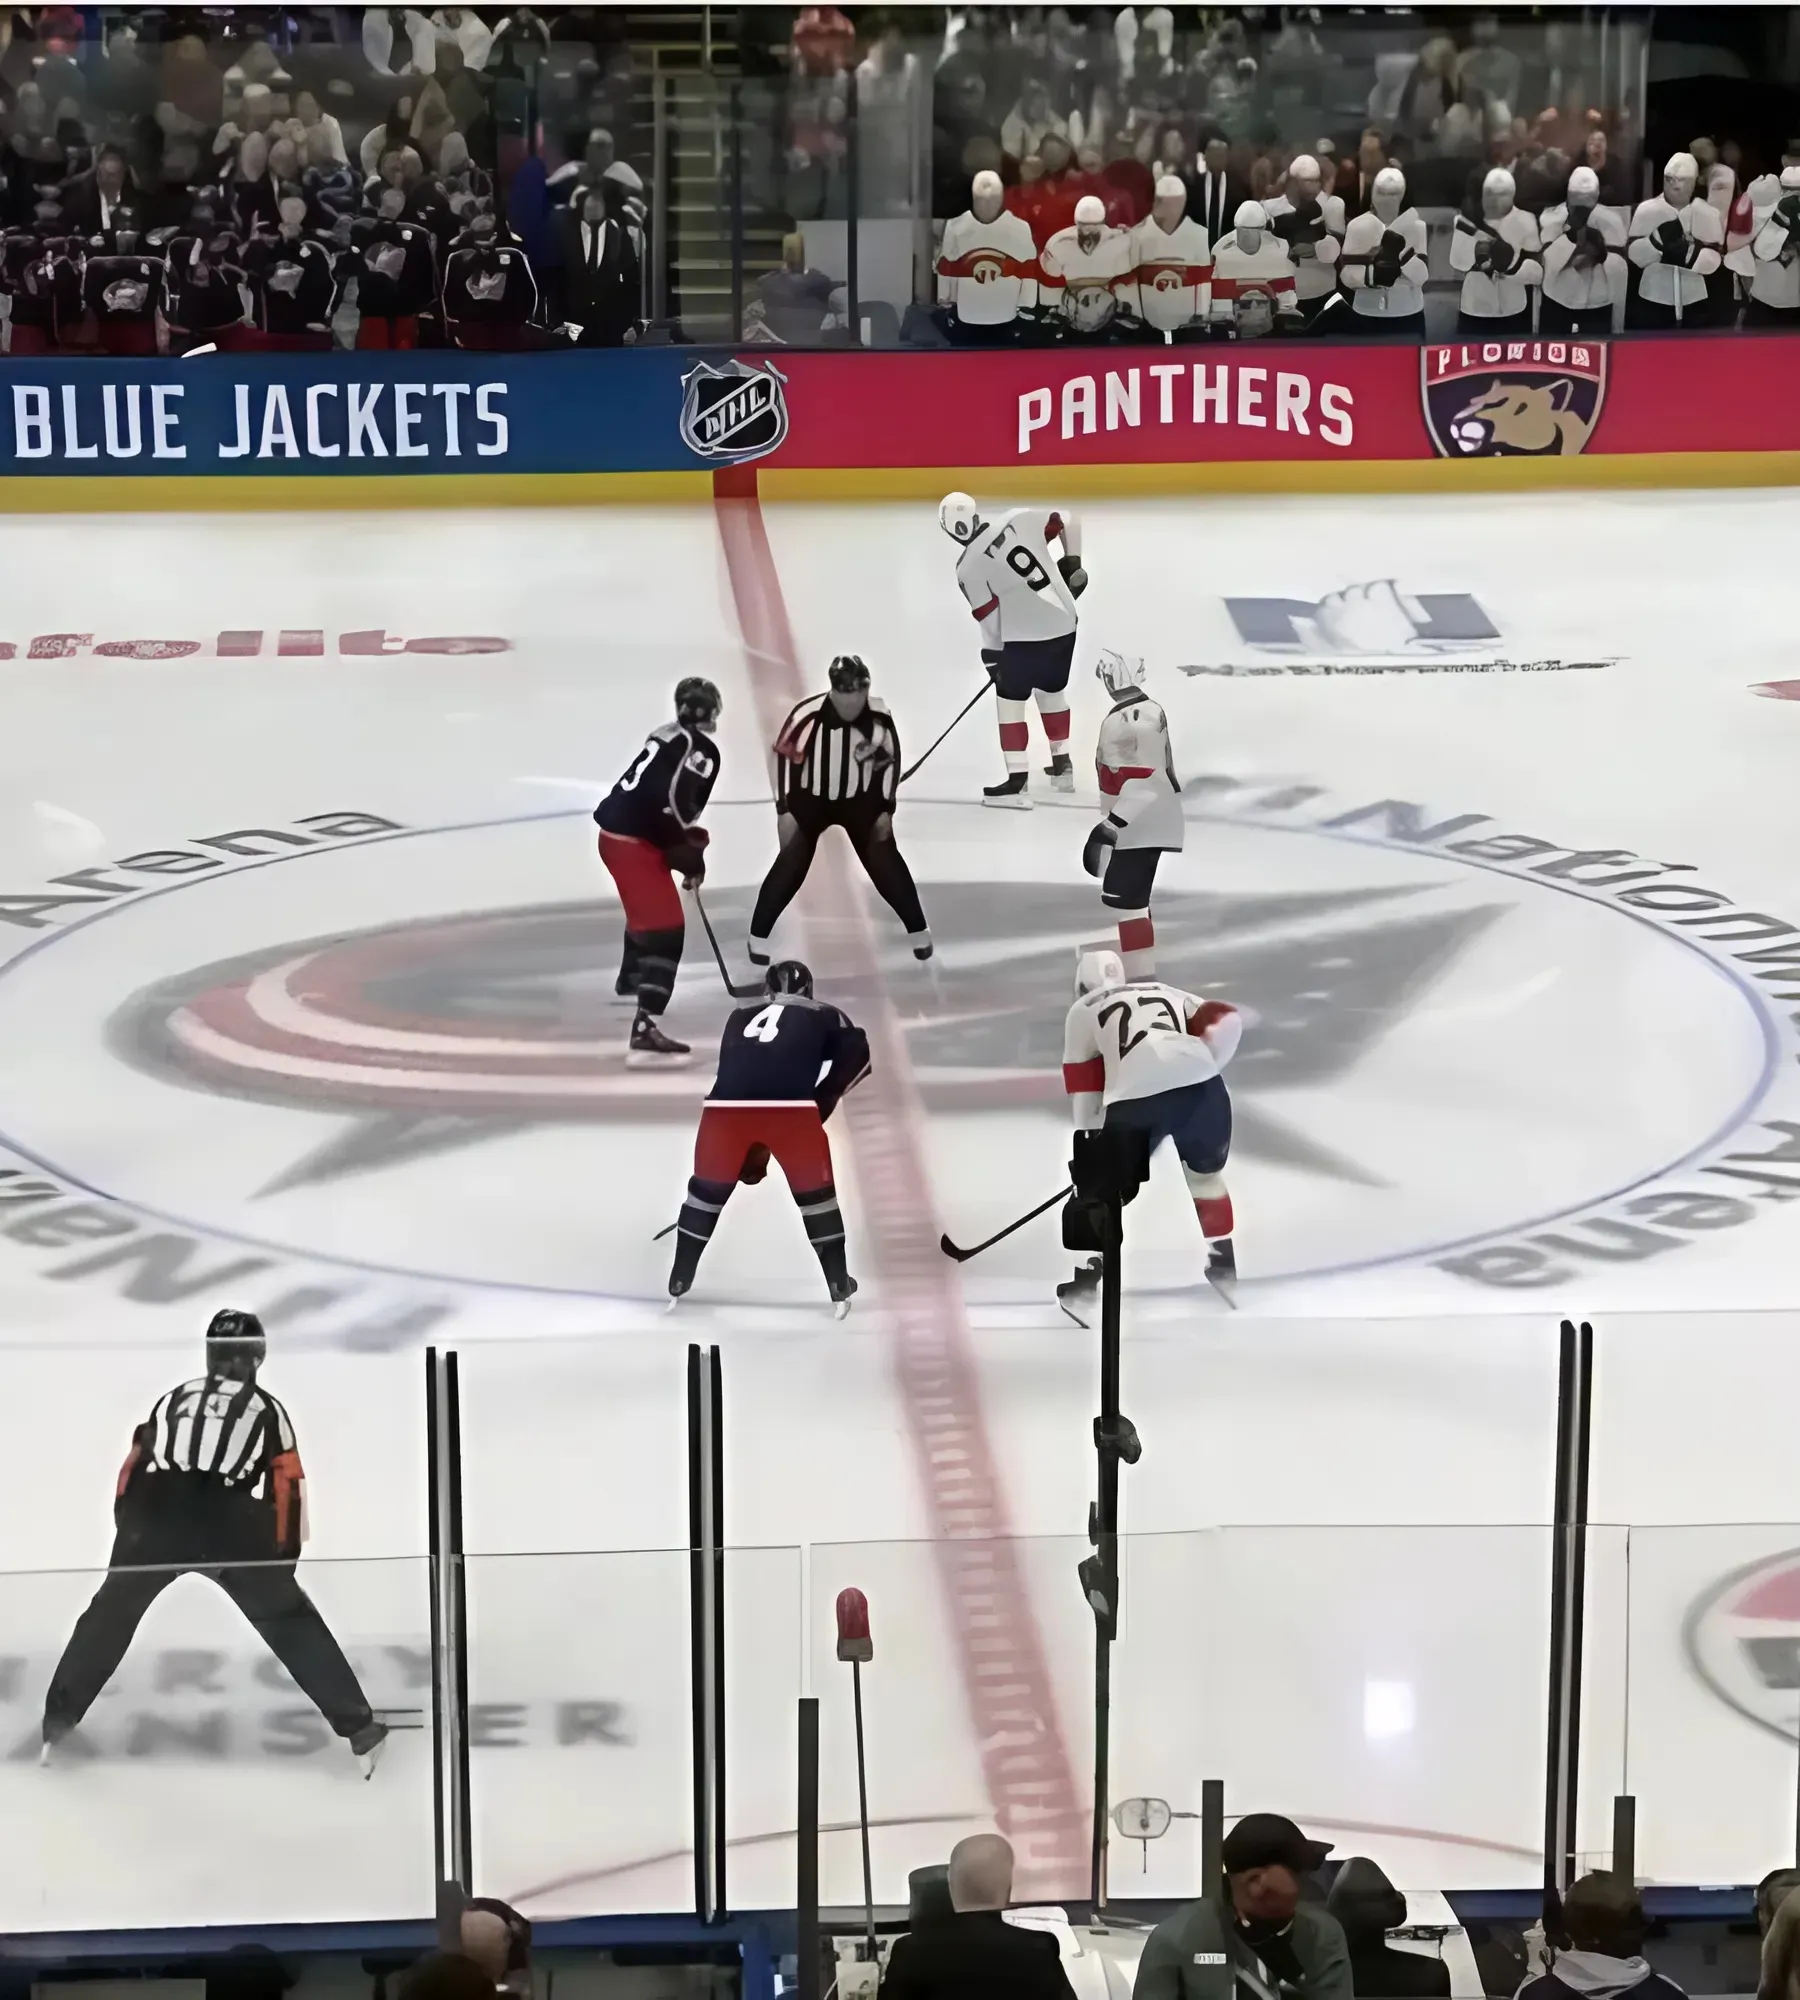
x=655 y=1059
x=670 y=1307
x=370 y=1758
x=840 y=1309
x=1012 y=802
x=1073 y=1314
x=1226 y=1289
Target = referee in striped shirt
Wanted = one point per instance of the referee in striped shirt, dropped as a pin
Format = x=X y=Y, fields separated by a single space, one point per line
x=213 y=1483
x=837 y=763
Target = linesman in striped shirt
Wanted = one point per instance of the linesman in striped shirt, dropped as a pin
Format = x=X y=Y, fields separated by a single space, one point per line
x=836 y=762
x=213 y=1483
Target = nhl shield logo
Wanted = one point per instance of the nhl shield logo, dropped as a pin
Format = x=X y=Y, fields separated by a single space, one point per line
x=733 y=411
x=1513 y=398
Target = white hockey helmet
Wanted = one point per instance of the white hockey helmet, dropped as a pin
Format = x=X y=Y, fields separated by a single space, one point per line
x=1119 y=673
x=1097 y=970
x=957 y=517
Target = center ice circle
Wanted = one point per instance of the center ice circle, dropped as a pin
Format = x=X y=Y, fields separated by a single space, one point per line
x=405 y=1055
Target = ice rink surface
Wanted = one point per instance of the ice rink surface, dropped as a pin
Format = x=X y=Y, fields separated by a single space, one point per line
x=304 y=970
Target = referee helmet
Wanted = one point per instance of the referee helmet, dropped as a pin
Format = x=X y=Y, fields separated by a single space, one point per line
x=235 y=1344
x=849 y=674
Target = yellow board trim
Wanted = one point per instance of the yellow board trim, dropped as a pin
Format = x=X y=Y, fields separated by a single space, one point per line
x=1397 y=475
x=56 y=493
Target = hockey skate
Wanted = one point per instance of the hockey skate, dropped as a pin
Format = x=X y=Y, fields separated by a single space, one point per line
x=652 y=1049
x=1011 y=792
x=1081 y=1290
x=921 y=944
x=1061 y=772
x=1221 y=1270
x=367 y=1744
x=843 y=1290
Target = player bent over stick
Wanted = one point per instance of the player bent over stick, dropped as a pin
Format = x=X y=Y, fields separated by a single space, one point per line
x=650 y=832
x=1136 y=1053
x=783 y=1065
x=1144 y=820
x=1024 y=602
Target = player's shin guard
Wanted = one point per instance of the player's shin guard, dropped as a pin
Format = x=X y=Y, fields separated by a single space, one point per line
x=825 y=1232
x=1137 y=944
x=1212 y=1204
x=1054 y=708
x=1015 y=735
x=693 y=1230
x=659 y=953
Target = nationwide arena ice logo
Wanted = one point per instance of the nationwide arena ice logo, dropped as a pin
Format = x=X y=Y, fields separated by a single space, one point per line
x=1513 y=398
x=1742 y=1638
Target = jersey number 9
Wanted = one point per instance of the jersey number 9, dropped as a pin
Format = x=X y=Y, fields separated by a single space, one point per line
x=1026 y=566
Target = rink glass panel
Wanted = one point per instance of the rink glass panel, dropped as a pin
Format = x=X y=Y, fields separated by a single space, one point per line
x=202 y=1787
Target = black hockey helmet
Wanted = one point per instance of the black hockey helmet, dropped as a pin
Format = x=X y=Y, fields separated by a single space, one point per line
x=697 y=702
x=788 y=975
x=848 y=674
x=235 y=1344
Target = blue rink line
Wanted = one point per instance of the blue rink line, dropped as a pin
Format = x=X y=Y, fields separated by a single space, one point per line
x=1738 y=982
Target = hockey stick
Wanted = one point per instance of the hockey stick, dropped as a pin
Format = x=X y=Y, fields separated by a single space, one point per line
x=736 y=992
x=962 y=1256
x=960 y=713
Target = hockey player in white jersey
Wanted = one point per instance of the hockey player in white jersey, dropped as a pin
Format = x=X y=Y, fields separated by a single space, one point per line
x=1137 y=1053
x=1023 y=599
x=1143 y=820
x=987 y=266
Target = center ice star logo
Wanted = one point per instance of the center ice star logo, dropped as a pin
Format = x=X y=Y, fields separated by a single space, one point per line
x=446 y=1033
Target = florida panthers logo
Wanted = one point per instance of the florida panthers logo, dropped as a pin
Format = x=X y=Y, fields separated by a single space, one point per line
x=1513 y=398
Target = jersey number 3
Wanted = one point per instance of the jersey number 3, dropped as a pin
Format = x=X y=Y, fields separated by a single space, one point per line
x=1151 y=1004
x=763 y=1027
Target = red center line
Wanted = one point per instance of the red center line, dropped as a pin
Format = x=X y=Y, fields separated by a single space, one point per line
x=1005 y=1673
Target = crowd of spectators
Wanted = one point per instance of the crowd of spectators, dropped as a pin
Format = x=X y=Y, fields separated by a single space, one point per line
x=1105 y=133
x=293 y=179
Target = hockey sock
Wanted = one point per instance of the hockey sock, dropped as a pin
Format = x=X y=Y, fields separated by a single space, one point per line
x=1015 y=736
x=1212 y=1204
x=661 y=954
x=1054 y=708
x=1137 y=943
x=693 y=1230
x=824 y=1231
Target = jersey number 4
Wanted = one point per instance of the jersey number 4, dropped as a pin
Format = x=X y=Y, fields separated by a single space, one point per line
x=1150 y=1004
x=763 y=1027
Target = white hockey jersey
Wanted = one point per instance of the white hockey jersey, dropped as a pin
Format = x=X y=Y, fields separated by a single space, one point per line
x=1239 y=274
x=1136 y=768
x=1775 y=280
x=1577 y=284
x=1010 y=578
x=1140 y=1039
x=1315 y=261
x=1488 y=294
x=1362 y=238
x=987 y=271
x=1089 y=285
x=1173 y=268
x=1664 y=284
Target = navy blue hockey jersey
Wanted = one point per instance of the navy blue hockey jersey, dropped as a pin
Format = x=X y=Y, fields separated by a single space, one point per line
x=665 y=789
x=787 y=1049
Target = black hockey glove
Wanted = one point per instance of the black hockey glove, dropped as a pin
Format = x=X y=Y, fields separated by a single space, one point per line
x=688 y=862
x=1671 y=242
x=1502 y=257
x=1590 y=248
x=1390 y=254
x=1484 y=252
x=990 y=659
x=1070 y=570
x=1097 y=849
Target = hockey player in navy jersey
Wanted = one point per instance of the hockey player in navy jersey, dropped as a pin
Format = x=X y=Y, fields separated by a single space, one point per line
x=650 y=832
x=784 y=1063
x=1138 y=1053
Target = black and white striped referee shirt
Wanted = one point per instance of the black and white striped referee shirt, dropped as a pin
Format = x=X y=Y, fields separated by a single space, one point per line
x=823 y=759
x=216 y=1425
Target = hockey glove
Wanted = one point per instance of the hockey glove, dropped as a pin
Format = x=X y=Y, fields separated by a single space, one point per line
x=1502 y=257
x=1389 y=252
x=755 y=1167
x=1097 y=850
x=689 y=863
x=990 y=659
x=1671 y=242
x=1070 y=570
